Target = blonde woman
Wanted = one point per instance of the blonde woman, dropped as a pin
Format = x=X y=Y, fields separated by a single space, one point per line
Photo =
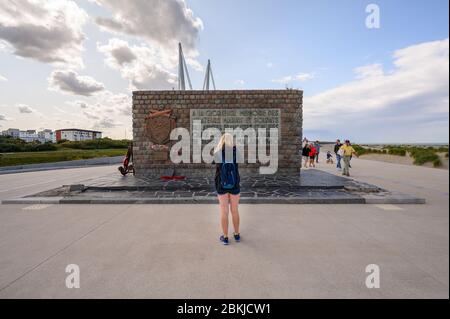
x=227 y=185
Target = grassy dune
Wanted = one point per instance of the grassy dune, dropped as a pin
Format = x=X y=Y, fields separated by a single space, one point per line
x=420 y=155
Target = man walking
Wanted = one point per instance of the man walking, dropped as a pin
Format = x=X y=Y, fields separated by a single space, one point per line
x=337 y=147
x=317 y=146
x=348 y=151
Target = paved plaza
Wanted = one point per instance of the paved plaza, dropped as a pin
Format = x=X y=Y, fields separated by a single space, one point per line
x=312 y=186
x=172 y=251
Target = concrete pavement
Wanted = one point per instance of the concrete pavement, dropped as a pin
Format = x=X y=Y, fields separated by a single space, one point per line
x=23 y=184
x=114 y=160
x=172 y=251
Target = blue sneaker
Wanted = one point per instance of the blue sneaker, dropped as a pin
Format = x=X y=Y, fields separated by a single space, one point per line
x=237 y=237
x=224 y=240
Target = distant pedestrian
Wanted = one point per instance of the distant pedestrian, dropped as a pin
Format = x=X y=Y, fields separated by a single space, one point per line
x=227 y=185
x=350 y=163
x=329 y=158
x=348 y=151
x=337 y=147
x=312 y=155
x=305 y=154
x=317 y=146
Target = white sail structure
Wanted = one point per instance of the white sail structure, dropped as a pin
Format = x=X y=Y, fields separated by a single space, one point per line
x=208 y=77
x=182 y=70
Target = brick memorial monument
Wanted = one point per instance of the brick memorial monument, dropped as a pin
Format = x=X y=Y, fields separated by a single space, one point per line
x=157 y=113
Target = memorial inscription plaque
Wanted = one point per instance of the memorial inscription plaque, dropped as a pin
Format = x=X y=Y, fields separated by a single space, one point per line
x=237 y=118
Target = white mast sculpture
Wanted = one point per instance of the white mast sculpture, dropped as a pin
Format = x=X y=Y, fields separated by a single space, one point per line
x=208 y=76
x=182 y=68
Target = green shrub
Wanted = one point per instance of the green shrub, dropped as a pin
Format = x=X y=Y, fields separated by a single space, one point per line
x=415 y=151
x=38 y=147
x=437 y=163
x=399 y=151
x=101 y=143
x=425 y=156
x=23 y=158
x=360 y=150
x=10 y=148
x=421 y=155
x=9 y=144
x=14 y=145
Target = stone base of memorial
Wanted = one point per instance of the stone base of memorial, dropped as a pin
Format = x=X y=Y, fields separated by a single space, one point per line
x=156 y=113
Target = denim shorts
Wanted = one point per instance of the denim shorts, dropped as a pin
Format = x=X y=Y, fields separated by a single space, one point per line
x=235 y=191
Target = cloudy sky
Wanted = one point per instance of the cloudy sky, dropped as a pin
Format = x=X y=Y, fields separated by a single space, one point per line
x=75 y=63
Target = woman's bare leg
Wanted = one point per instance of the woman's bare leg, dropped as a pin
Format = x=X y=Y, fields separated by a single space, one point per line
x=234 y=205
x=224 y=210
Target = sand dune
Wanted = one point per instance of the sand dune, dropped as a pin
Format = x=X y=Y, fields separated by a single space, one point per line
x=403 y=160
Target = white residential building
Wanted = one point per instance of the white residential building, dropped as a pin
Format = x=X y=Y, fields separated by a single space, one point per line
x=13 y=132
x=28 y=136
x=47 y=136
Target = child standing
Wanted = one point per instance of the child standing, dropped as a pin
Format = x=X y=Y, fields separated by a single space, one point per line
x=329 y=158
x=312 y=155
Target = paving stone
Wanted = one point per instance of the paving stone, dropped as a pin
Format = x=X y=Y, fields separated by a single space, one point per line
x=314 y=187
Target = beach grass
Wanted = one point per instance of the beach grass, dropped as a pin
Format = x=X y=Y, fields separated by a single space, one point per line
x=421 y=155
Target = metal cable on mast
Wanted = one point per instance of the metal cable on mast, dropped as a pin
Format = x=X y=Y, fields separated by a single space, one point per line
x=182 y=68
x=212 y=77
x=208 y=76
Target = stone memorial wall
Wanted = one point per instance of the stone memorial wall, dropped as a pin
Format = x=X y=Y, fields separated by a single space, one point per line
x=157 y=113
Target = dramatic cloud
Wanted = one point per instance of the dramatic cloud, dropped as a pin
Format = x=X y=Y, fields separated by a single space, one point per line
x=367 y=71
x=3 y=117
x=301 y=77
x=409 y=102
x=120 y=103
x=48 y=31
x=70 y=82
x=110 y=103
x=121 y=53
x=142 y=66
x=91 y=115
x=160 y=22
x=104 y=111
x=106 y=123
x=3 y=79
x=25 y=109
